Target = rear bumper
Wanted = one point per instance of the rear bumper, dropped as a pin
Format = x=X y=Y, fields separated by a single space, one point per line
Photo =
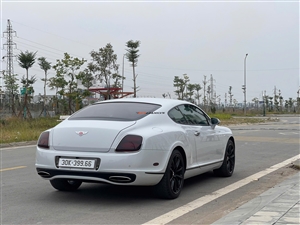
x=144 y=168
x=86 y=175
x=140 y=178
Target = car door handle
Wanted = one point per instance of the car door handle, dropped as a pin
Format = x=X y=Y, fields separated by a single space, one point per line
x=196 y=133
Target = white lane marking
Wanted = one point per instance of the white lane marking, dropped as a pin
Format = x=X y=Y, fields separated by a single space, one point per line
x=180 y=211
x=289 y=133
x=16 y=147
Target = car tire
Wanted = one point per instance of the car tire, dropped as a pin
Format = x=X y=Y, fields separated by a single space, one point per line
x=171 y=184
x=227 y=168
x=65 y=184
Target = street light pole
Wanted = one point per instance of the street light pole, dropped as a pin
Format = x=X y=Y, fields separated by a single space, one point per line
x=245 y=84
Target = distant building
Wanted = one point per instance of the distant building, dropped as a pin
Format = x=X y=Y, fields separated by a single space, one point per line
x=40 y=98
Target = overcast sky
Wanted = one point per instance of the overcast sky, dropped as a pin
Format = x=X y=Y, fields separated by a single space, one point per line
x=194 y=38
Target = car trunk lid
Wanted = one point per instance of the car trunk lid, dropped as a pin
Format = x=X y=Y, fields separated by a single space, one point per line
x=87 y=135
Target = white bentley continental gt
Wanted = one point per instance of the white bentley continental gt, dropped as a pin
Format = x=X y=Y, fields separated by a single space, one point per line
x=135 y=141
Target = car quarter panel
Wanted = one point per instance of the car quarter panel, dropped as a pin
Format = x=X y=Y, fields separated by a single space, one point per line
x=162 y=134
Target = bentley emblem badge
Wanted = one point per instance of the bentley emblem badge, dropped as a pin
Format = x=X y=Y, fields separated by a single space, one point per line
x=81 y=133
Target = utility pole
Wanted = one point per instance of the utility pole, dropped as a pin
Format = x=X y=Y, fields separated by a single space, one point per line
x=298 y=100
x=9 y=55
x=244 y=87
x=204 y=85
x=2 y=90
x=230 y=96
x=9 y=37
x=275 y=99
x=280 y=100
x=212 y=89
x=209 y=95
x=264 y=107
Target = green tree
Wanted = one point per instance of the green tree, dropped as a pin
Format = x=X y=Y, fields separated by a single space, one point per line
x=235 y=102
x=276 y=102
x=10 y=83
x=104 y=64
x=132 y=56
x=190 y=92
x=181 y=84
x=270 y=104
x=286 y=105
x=267 y=102
x=117 y=80
x=291 y=102
x=166 y=95
x=198 y=95
x=255 y=101
x=58 y=83
x=26 y=60
x=86 y=77
x=66 y=72
x=28 y=83
x=209 y=95
x=230 y=95
x=44 y=65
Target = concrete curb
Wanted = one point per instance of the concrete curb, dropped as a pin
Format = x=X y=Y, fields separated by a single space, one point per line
x=14 y=144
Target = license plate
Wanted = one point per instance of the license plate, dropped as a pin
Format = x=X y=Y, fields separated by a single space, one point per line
x=77 y=163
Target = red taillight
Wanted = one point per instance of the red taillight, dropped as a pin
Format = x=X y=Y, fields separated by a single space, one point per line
x=43 y=141
x=130 y=143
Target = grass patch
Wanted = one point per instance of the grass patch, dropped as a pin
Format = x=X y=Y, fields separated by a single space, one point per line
x=229 y=119
x=17 y=130
x=242 y=120
x=221 y=116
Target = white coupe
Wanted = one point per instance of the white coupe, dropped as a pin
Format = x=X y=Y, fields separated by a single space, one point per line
x=135 y=141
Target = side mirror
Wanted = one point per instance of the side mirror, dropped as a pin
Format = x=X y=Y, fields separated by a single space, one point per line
x=214 y=122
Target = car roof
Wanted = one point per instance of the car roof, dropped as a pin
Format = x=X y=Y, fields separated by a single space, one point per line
x=165 y=102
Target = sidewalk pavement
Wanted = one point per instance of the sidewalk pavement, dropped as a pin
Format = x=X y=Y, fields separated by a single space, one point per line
x=279 y=205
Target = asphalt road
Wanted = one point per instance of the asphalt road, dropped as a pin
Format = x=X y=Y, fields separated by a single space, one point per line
x=28 y=199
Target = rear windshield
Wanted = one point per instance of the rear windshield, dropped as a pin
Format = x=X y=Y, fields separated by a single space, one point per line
x=115 y=111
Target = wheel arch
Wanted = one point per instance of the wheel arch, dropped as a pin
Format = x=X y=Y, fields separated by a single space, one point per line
x=181 y=150
x=233 y=141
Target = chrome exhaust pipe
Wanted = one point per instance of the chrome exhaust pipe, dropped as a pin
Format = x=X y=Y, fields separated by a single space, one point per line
x=119 y=179
x=44 y=174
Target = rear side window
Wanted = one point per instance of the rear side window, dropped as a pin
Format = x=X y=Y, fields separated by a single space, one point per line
x=176 y=115
x=188 y=115
x=115 y=111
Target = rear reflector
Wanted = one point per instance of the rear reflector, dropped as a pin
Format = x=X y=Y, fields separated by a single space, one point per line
x=130 y=143
x=43 y=141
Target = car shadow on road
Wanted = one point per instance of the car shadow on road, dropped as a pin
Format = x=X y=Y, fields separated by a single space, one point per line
x=94 y=193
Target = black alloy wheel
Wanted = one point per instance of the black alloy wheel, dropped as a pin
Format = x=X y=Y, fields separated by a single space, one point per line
x=230 y=158
x=176 y=175
x=227 y=168
x=172 y=182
